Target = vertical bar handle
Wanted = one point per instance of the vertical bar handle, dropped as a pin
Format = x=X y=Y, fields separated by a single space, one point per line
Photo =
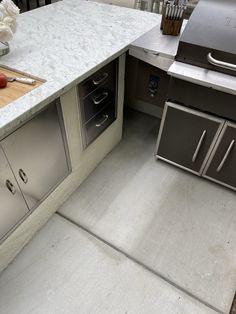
x=225 y=156
x=199 y=145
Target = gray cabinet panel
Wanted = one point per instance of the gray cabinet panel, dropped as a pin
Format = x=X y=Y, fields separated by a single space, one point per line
x=12 y=206
x=186 y=137
x=37 y=155
x=152 y=84
x=202 y=98
x=222 y=165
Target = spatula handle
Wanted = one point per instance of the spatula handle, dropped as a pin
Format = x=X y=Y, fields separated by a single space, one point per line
x=25 y=80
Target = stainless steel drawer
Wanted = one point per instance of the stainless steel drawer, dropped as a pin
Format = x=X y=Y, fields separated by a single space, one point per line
x=99 y=123
x=105 y=77
x=96 y=102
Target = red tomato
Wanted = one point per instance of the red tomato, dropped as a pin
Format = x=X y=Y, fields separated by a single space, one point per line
x=3 y=80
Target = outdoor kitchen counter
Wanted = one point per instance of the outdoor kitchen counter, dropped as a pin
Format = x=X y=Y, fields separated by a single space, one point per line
x=64 y=43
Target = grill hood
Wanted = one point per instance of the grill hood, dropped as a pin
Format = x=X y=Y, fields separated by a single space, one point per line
x=209 y=38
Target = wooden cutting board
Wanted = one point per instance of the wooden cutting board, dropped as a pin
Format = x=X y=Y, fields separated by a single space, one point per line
x=15 y=90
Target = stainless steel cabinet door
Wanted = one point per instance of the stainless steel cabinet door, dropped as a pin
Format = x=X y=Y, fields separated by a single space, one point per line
x=221 y=166
x=37 y=155
x=12 y=205
x=187 y=136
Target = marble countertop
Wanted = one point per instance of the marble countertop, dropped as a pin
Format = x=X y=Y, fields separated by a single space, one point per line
x=64 y=43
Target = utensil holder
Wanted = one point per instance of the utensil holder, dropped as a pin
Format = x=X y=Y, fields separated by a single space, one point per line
x=171 y=26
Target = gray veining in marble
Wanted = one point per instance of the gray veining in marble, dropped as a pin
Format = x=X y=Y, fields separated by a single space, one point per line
x=65 y=42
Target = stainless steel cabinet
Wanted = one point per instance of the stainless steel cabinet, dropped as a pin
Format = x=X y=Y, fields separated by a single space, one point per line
x=221 y=166
x=12 y=205
x=187 y=136
x=98 y=98
x=37 y=155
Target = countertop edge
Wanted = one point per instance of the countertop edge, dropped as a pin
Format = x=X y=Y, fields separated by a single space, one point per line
x=15 y=123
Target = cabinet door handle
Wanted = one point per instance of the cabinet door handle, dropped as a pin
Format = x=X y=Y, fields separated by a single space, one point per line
x=152 y=53
x=23 y=176
x=101 y=78
x=220 y=64
x=199 y=146
x=97 y=100
x=105 y=116
x=10 y=187
x=225 y=156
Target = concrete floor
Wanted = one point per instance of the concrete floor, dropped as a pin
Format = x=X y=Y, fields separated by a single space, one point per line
x=153 y=239
x=66 y=270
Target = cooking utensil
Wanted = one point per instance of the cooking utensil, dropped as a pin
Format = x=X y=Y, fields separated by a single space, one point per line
x=22 y=80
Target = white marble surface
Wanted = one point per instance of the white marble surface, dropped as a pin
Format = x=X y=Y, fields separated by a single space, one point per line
x=65 y=42
x=219 y=81
x=64 y=270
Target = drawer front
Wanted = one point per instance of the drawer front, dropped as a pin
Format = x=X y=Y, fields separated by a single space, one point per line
x=105 y=77
x=222 y=163
x=187 y=137
x=99 y=123
x=96 y=102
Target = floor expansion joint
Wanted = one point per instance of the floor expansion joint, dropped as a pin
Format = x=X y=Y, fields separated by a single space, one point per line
x=148 y=268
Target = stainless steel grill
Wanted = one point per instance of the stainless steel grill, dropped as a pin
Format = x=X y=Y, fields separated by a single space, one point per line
x=209 y=39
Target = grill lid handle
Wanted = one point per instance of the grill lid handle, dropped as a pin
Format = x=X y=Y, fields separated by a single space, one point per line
x=220 y=64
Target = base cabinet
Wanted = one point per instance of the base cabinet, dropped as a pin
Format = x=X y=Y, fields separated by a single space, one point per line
x=186 y=137
x=12 y=207
x=222 y=164
x=33 y=161
x=37 y=156
x=198 y=142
